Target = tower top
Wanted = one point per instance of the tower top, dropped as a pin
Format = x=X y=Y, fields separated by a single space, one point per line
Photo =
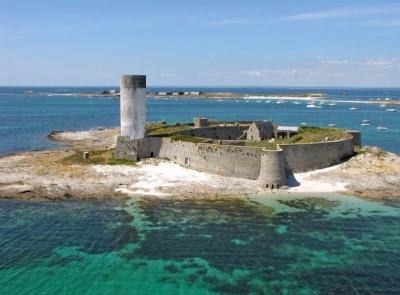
x=133 y=81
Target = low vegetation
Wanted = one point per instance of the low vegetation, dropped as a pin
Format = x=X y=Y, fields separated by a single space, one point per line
x=306 y=135
x=187 y=138
x=371 y=151
x=96 y=157
x=264 y=144
x=162 y=129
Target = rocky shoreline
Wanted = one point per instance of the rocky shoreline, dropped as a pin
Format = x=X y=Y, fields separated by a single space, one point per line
x=42 y=175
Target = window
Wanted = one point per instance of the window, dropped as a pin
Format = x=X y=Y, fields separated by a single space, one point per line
x=187 y=161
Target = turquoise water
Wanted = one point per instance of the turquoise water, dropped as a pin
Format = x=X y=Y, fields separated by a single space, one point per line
x=245 y=245
x=26 y=120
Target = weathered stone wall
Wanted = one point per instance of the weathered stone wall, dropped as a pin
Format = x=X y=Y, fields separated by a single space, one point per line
x=267 y=167
x=233 y=161
x=147 y=147
x=217 y=132
x=272 y=170
x=311 y=156
x=356 y=137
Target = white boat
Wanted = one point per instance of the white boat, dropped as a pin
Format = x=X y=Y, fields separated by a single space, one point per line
x=365 y=122
x=220 y=100
x=382 y=106
x=331 y=124
x=331 y=104
x=303 y=123
x=353 y=108
x=391 y=110
x=311 y=106
x=296 y=102
x=380 y=127
x=320 y=107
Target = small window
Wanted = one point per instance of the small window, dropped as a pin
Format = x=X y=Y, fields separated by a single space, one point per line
x=151 y=155
x=187 y=161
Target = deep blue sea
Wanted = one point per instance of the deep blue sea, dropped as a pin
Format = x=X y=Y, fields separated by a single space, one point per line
x=25 y=120
x=275 y=244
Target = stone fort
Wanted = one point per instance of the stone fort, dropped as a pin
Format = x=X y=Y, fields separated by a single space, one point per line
x=223 y=149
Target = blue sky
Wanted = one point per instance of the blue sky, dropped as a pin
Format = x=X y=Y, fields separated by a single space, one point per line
x=215 y=43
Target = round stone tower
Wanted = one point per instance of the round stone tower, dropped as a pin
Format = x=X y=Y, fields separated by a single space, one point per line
x=133 y=106
x=272 y=170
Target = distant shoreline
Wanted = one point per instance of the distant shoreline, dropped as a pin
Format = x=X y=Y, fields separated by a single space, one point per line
x=228 y=96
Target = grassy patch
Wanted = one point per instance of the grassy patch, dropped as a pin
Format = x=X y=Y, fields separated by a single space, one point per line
x=315 y=134
x=96 y=157
x=264 y=144
x=187 y=138
x=121 y=162
x=160 y=129
x=372 y=151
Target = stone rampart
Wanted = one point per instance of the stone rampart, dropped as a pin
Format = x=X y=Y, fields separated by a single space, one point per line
x=272 y=170
x=267 y=167
x=233 y=161
x=311 y=156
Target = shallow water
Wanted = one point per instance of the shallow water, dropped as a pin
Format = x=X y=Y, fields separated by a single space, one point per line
x=245 y=245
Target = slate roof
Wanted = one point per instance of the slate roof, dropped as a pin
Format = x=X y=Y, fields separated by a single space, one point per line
x=262 y=126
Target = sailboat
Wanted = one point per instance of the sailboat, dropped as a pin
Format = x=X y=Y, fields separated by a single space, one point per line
x=390 y=109
x=380 y=127
x=365 y=122
x=331 y=124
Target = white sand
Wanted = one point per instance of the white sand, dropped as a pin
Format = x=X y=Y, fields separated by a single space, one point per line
x=301 y=183
x=150 y=179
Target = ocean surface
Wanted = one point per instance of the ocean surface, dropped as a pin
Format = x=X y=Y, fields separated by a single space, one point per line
x=275 y=244
x=244 y=245
x=26 y=120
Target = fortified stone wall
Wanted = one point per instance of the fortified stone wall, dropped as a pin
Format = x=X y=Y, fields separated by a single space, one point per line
x=267 y=167
x=272 y=171
x=312 y=156
x=356 y=137
x=217 y=132
x=233 y=161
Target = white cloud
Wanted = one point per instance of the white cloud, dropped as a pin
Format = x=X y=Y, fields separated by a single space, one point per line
x=335 y=62
x=380 y=62
x=346 y=12
x=167 y=75
x=320 y=57
x=253 y=73
x=227 y=22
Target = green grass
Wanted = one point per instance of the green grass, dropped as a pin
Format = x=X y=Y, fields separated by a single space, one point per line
x=264 y=144
x=160 y=129
x=187 y=138
x=96 y=157
x=306 y=135
x=121 y=162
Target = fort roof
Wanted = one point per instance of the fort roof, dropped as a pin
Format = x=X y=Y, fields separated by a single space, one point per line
x=288 y=128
